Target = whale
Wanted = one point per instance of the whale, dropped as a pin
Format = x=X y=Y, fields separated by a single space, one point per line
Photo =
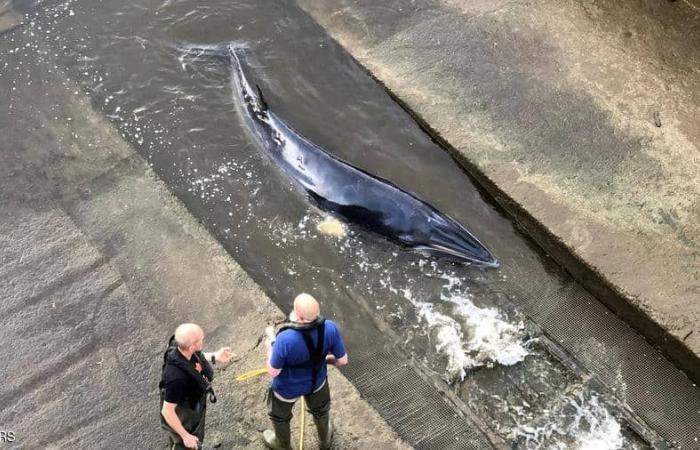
x=352 y=194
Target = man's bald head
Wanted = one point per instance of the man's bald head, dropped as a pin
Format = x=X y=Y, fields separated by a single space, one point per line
x=188 y=335
x=306 y=308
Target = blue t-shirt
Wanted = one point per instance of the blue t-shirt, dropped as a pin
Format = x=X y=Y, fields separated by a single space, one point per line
x=289 y=349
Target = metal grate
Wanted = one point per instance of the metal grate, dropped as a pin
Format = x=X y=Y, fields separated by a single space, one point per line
x=619 y=358
x=394 y=388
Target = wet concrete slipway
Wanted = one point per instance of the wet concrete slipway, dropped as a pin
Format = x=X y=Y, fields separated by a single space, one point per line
x=450 y=356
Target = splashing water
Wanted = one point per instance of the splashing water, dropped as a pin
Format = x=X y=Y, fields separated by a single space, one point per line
x=583 y=423
x=471 y=337
x=449 y=337
x=604 y=433
x=492 y=338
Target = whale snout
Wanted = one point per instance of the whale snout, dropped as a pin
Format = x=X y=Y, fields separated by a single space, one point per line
x=449 y=240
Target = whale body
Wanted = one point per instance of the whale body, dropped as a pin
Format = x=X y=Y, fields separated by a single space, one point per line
x=348 y=192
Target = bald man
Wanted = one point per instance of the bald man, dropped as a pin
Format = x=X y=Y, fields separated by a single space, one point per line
x=297 y=364
x=185 y=383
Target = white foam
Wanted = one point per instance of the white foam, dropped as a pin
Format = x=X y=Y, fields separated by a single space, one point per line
x=449 y=337
x=471 y=337
x=452 y=281
x=604 y=430
x=491 y=338
x=592 y=428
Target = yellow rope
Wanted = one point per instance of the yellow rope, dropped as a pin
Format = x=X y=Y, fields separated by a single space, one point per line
x=251 y=374
x=301 y=433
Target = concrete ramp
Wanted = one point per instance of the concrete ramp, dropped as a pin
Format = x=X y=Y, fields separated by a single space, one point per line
x=99 y=265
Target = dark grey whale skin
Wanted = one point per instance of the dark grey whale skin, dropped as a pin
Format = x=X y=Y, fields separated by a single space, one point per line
x=351 y=193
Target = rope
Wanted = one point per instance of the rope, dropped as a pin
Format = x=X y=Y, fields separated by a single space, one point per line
x=301 y=433
x=252 y=374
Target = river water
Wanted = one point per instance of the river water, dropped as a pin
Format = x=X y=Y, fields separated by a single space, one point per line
x=138 y=61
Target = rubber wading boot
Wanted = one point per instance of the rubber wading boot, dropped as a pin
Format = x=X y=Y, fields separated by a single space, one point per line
x=325 y=431
x=278 y=439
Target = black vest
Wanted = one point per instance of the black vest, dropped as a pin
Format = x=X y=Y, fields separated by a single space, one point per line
x=173 y=357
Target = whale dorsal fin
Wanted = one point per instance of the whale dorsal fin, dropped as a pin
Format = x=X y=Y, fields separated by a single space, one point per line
x=261 y=98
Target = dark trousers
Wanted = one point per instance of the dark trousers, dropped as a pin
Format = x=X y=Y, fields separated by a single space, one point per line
x=318 y=403
x=192 y=420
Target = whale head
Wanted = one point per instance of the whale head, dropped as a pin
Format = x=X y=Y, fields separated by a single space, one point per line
x=447 y=239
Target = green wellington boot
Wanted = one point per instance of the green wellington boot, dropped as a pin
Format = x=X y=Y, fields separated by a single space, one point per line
x=279 y=439
x=325 y=431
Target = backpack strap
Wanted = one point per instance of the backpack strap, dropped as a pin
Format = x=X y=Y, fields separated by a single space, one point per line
x=317 y=357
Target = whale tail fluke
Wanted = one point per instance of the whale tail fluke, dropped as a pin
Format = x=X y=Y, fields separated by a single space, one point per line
x=189 y=49
x=251 y=96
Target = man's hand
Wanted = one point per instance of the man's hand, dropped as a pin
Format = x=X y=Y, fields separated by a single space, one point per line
x=190 y=441
x=223 y=355
x=170 y=416
x=337 y=362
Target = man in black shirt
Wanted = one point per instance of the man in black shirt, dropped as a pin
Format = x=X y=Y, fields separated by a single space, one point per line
x=185 y=384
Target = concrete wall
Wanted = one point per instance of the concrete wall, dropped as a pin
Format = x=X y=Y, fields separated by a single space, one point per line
x=579 y=117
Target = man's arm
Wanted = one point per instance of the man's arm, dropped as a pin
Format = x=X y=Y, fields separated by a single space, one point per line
x=338 y=356
x=337 y=362
x=271 y=369
x=168 y=412
x=222 y=355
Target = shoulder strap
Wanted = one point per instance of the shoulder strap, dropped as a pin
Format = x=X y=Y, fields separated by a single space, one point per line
x=315 y=352
x=207 y=375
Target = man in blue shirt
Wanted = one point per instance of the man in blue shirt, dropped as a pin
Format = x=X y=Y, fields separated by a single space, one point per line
x=297 y=364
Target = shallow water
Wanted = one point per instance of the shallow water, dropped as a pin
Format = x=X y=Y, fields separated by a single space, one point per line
x=175 y=106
